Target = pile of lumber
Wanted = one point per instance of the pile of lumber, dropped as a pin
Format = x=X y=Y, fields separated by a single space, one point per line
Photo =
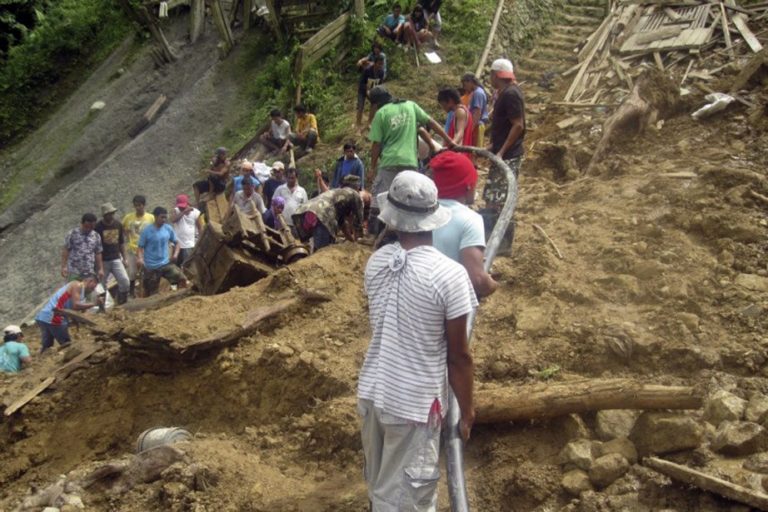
x=237 y=250
x=692 y=40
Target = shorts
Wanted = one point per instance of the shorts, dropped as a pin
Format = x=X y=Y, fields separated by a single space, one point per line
x=383 y=180
x=151 y=279
x=401 y=461
x=50 y=332
x=204 y=186
x=276 y=142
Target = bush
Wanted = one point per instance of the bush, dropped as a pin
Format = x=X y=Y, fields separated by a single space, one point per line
x=71 y=35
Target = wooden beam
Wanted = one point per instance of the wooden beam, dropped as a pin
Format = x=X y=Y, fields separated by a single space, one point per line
x=196 y=20
x=601 y=38
x=489 y=42
x=552 y=400
x=29 y=396
x=740 y=20
x=222 y=24
x=247 y=8
x=709 y=483
x=726 y=32
x=273 y=19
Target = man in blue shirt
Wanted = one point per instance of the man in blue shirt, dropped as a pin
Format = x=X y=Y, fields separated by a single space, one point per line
x=349 y=164
x=393 y=24
x=154 y=254
x=13 y=352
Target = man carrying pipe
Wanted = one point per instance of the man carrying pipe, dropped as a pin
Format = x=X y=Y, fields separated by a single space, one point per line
x=415 y=352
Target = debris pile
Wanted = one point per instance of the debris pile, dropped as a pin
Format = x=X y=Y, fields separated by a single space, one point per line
x=692 y=40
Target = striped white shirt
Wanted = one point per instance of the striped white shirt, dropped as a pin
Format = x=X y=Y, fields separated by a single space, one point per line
x=411 y=294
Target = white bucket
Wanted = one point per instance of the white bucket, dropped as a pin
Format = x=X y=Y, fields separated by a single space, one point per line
x=160 y=436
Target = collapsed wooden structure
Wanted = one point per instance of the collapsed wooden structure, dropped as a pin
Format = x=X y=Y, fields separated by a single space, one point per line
x=235 y=249
x=676 y=36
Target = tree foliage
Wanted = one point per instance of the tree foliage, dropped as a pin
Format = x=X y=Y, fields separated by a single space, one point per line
x=45 y=42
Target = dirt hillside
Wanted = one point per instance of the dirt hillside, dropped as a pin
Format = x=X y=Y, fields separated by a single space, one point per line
x=662 y=277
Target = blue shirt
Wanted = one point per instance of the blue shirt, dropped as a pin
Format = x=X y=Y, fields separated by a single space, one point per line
x=480 y=100
x=391 y=22
x=11 y=353
x=237 y=183
x=59 y=300
x=155 y=241
x=465 y=229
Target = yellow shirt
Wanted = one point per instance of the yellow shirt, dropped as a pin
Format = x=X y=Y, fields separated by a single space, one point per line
x=304 y=124
x=132 y=225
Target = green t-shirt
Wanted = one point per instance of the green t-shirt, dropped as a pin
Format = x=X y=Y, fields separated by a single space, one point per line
x=395 y=127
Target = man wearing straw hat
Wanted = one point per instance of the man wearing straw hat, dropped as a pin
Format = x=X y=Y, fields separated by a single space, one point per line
x=419 y=302
x=113 y=251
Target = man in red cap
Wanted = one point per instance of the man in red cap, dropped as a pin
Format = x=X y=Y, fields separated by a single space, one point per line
x=187 y=225
x=463 y=238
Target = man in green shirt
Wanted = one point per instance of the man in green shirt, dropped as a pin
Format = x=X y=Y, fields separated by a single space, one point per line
x=394 y=132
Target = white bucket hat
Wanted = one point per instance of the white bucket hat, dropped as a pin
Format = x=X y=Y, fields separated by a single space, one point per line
x=12 y=329
x=411 y=204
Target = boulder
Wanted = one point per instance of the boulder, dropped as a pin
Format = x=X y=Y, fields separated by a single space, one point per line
x=606 y=469
x=573 y=427
x=658 y=432
x=723 y=406
x=576 y=481
x=579 y=453
x=737 y=438
x=752 y=282
x=757 y=463
x=621 y=446
x=756 y=408
x=611 y=424
x=97 y=106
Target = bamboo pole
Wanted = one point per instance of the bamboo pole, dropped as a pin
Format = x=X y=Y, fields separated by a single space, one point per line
x=491 y=35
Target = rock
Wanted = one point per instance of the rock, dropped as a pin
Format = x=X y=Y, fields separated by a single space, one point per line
x=658 y=432
x=574 y=427
x=51 y=509
x=757 y=463
x=615 y=423
x=756 y=408
x=752 y=282
x=740 y=438
x=621 y=446
x=576 y=481
x=606 y=469
x=579 y=453
x=499 y=369
x=98 y=106
x=723 y=406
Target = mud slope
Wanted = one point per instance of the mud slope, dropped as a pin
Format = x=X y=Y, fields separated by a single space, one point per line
x=83 y=160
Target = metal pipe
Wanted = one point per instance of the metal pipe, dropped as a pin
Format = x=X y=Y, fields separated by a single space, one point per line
x=452 y=442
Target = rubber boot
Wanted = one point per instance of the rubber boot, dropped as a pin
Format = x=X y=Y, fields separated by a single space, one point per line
x=122 y=298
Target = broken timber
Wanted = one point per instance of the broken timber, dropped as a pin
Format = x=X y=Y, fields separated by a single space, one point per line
x=553 y=400
x=149 y=115
x=709 y=483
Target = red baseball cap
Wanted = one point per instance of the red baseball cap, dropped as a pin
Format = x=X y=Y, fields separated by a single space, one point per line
x=454 y=174
x=182 y=201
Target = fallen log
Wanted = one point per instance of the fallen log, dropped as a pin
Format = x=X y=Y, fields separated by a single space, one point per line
x=552 y=400
x=709 y=483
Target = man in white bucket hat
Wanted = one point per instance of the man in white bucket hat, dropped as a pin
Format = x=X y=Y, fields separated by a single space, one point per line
x=419 y=301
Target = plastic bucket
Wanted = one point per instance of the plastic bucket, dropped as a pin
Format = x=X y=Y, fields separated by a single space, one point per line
x=160 y=436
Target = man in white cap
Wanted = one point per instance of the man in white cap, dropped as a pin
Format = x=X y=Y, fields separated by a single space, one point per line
x=113 y=251
x=419 y=301
x=14 y=353
x=508 y=120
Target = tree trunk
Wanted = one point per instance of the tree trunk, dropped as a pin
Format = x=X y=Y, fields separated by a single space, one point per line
x=558 y=399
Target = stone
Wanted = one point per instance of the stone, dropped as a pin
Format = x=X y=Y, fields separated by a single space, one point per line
x=756 y=408
x=621 y=446
x=757 y=463
x=659 y=432
x=606 y=469
x=51 y=509
x=579 y=453
x=752 y=282
x=573 y=427
x=576 y=481
x=98 y=106
x=723 y=406
x=737 y=438
x=611 y=424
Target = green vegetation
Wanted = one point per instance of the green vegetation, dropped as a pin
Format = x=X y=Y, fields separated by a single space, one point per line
x=45 y=50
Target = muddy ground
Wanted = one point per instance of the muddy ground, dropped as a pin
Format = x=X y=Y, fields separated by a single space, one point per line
x=663 y=278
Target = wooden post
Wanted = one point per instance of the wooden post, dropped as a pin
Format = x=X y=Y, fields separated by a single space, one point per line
x=196 y=20
x=298 y=71
x=222 y=23
x=359 y=8
x=247 y=7
x=274 y=19
x=142 y=15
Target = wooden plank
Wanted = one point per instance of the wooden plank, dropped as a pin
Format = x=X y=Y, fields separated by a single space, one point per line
x=489 y=42
x=580 y=75
x=741 y=25
x=726 y=32
x=29 y=396
x=222 y=24
x=331 y=28
x=64 y=371
x=708 y=483
x=196 y=20
x=657 y=60
x=671 y=14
